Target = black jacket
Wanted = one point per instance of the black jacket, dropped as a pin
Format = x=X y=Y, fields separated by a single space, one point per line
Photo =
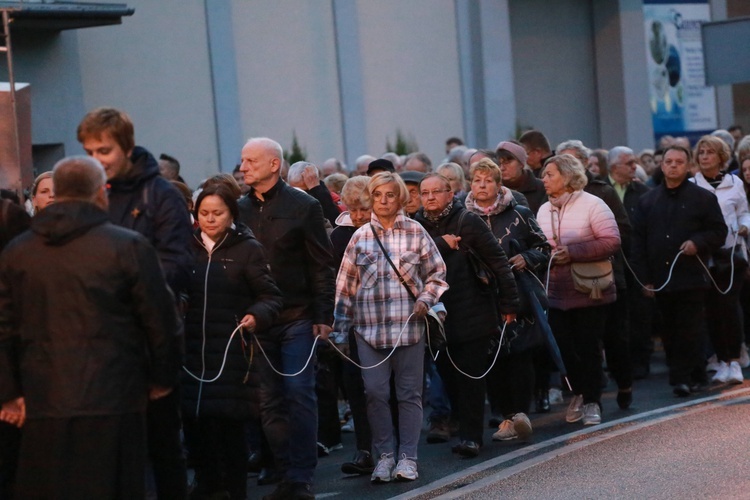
x=146 y=202
x=472 y=309
x=664 y=220
x=226 y=285
x=290 y=225
x=633 y=193
x=87 y=305
x=533 y=189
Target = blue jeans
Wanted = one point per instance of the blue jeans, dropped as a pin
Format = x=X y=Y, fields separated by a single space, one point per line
x=437 y=397
x=288 y=405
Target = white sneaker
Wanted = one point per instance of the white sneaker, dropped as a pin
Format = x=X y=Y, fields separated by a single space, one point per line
x=522 y=426
x=721 y=373
x=555 y=396
x=734 y=373
x=348 y=426
x=406 y=469
x=505 y=431
x=592 y=415
x=712 y=364
x=744 y=357
x=383 y=472
x=575 y=409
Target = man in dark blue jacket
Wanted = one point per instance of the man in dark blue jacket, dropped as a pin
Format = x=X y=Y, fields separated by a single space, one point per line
x=290 y=225
x=142 y=200
x=678 y=216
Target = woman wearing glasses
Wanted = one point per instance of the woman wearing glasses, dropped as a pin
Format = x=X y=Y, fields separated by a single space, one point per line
x=371 y=299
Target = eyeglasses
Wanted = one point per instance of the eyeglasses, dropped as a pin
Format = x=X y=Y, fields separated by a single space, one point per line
x=504 y=161
x=377 y=195
x=434 y=192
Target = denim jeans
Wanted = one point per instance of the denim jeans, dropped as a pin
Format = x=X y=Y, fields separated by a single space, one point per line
x=288 y=405
x=437 y=396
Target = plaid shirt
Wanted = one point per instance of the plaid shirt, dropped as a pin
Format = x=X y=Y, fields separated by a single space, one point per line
x=369 y=295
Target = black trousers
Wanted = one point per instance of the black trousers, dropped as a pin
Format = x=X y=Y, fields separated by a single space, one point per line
x=83 y=457
x=220 y=454
x=10 y=445
x=466 y=394
x=578 y=333
x=683 y=313
x=616 y=340
x=510 y=384
x=724 y=317
x=163 y=424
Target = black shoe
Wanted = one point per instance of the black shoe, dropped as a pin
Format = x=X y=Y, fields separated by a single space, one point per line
x=300 y=491
x=681 y=390
x=255 y=462
x=282 y=492
x=268 y=476
x=361 y=464
x=495 y=422
x=624 y=398
x=439 y=432
x=698 y=386
x=542 y=404
x=469 y=449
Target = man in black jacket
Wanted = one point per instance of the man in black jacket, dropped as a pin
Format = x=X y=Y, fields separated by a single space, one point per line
x=290 y=225
x=678 y=216
x=473 y=310
x=88 y=332
x=142 y=200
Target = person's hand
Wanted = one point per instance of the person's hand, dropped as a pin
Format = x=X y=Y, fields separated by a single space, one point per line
x=509 y=318
x=13 y=412
x=157 y=392
x=648 y=290
x=310 y=177
x=248 y=323
x=322 y=330
x=518 y=262
x=420 y=309
x=442 y=314
x=452 y=240
x=742 y=231
x=689 y=248
x=561 y=257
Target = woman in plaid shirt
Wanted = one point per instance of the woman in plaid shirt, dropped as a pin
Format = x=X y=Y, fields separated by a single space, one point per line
x=371 y=298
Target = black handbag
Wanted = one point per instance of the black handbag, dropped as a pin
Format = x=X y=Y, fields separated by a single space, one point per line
x=723 y=257
x=434 y=325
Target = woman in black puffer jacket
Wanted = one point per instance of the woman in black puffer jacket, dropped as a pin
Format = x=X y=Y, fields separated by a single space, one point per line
x=231 y=285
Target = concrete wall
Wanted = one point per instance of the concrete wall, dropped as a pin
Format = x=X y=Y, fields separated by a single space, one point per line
x=553 y=62
x=155 y=66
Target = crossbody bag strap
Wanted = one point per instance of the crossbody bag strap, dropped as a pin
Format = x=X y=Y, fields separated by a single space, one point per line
x=385 y=254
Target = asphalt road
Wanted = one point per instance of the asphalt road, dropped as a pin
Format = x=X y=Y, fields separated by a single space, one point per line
x=662 y=447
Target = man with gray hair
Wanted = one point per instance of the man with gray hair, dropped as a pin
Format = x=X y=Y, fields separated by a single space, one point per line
x=361 y=164
x=88 y=302
x=418 y=162
x=290 y=225
x=306 y=176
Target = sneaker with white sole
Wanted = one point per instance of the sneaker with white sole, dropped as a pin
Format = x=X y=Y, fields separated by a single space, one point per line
x=744 y=357
x=712 y=364
x=592 y=414
x=575 y=409
x=406 y=469
x=721 y=374
x=505 y=431
x=522 y=426
x=734 y=373
x=383 y=472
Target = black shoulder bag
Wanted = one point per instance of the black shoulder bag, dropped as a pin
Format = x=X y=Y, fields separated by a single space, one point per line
x=435 y=329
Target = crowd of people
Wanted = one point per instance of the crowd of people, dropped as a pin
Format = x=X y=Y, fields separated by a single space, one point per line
x=146 y=328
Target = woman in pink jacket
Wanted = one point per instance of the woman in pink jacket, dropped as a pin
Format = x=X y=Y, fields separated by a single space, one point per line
x=581 y=229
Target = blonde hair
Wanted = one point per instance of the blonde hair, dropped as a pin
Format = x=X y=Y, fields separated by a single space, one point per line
x=715 y=143
x=487 y=166
x=570 y=169
x=381 y=178
x=355 y=193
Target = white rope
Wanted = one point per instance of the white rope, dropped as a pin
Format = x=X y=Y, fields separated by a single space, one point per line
x=499 y=347
x=312 y=351
x=223 y=362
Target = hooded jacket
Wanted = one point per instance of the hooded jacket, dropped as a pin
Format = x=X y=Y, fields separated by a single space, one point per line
x=86 y=304
x=227 y=283
x=144 y=201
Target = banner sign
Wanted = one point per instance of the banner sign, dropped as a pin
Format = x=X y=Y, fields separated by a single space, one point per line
x=681 y=103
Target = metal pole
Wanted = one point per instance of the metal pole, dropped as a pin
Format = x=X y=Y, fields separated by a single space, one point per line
x=12 y=81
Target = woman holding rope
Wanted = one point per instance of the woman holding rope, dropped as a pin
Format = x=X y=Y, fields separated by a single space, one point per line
x=729 y=263
x=231 y=289
x=389 y=325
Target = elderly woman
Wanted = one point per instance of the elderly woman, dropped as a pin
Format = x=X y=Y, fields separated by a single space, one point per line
x=231 y=286
x=581 y=229
x=723 y=311
x=42 y=192
x=455 y=175
x=510 y=384
x=373 y=300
